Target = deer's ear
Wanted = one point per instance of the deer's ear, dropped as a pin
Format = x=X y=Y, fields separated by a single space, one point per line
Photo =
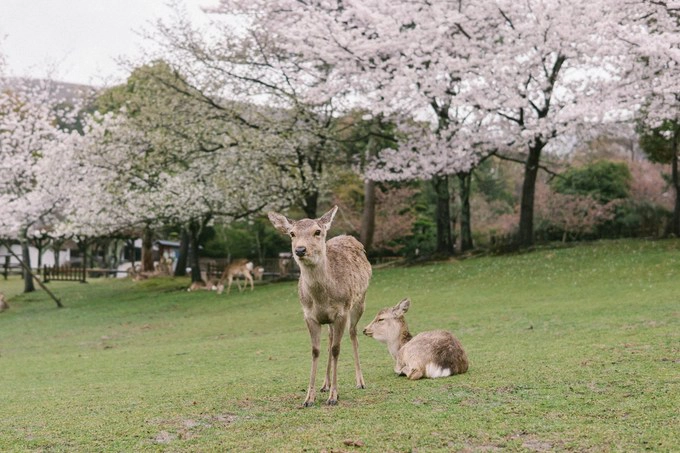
x=280 y=222
x=327 y=218
x=402 y=307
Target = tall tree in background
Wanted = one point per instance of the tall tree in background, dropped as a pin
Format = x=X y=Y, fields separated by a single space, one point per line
x=245 y=76
x=651 y=34
x=163 y=158
x=362 y=136
x=537 y=66
x=29 y=142
x=662 y=145
x=547 y=73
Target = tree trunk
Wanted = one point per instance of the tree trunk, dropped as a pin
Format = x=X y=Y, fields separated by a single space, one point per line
x=260 y=248
x=443 y=216
x=526 y=214
x=132 y=251
x=465 y=180
x=181 y=265
x=194 y=233
x=113 y=254
x=29 y=287
x=40 y=245
x=368 y=215
x=83 y=246
x=147 y=250
x=675 y=224
x=27 y=270
x=310 y=204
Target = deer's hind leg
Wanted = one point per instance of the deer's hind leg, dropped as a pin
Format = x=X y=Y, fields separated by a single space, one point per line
x=354 y=317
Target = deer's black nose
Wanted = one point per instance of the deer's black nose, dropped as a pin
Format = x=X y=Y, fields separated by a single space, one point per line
x=300 y=251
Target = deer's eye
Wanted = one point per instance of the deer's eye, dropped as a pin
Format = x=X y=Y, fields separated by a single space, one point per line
x=317 y=233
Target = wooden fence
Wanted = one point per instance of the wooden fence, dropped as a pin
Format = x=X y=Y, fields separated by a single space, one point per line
x=64 y=274
x=274 y=268
x=9 y=268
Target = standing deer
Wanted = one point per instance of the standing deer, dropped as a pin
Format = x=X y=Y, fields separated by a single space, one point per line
x=243 y=268
x=334 y=277
x=3 y=303
x=432 y=354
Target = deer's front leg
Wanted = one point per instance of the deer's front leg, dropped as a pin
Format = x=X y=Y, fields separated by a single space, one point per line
x=315 y=335
x=338 y=328
x=327 y=380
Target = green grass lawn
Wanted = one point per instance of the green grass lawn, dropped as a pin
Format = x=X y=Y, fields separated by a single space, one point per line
x=570 y=349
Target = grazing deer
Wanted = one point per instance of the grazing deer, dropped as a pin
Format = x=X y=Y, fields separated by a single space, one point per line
x=211 y=285
x=3 y=303
x=432 y=354
x=334 y=277
x=238 y=268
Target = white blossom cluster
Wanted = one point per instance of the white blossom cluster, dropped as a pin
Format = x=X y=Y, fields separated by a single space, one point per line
x=523 y=72
x=124 y=172
x=247 y=129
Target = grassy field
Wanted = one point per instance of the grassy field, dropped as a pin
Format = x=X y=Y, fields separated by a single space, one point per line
x=570 y=349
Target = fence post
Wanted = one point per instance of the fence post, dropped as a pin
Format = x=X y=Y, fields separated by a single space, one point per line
x=84 y=279
x=46 y=274
x=5 y=272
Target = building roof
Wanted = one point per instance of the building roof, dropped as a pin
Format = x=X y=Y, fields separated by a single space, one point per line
x=167 y=243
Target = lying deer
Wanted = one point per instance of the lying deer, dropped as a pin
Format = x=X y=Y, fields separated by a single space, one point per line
x=3 y=303
x=212 y=285
x=334 y=277
x=238 y=268
x=432 y=354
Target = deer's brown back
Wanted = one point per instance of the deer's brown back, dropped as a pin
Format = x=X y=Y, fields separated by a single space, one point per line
x=347 y=263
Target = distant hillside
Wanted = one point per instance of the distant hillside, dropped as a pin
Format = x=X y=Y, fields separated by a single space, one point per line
x=63 y=91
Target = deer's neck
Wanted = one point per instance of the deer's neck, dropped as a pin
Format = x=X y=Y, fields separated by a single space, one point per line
x=399 y=341
x=315 y=274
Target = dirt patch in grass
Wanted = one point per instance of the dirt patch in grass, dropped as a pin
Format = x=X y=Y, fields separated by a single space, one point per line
x=189 y=428
x=533 y=443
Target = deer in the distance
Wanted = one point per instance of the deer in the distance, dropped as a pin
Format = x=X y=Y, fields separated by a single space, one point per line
x=3 y=303
x=432 y=354
x=211 y=285
x=239 y=268
x=334 y=277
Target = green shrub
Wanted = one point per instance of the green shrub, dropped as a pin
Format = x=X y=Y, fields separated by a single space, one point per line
x=604 y=181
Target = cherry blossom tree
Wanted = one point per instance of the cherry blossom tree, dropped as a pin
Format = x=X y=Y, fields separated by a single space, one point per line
x=651 y=34
x=29 y=139
x=164 y=158
x=259 y=87
x=550 y=65
x=397 y=58
x=536 y=67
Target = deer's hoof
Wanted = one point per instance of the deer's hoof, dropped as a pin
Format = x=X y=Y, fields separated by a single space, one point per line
x=332 y=402
x=308 y=404
x=361 y=386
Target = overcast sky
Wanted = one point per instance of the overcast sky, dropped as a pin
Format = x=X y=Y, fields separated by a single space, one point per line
x=77 y=40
